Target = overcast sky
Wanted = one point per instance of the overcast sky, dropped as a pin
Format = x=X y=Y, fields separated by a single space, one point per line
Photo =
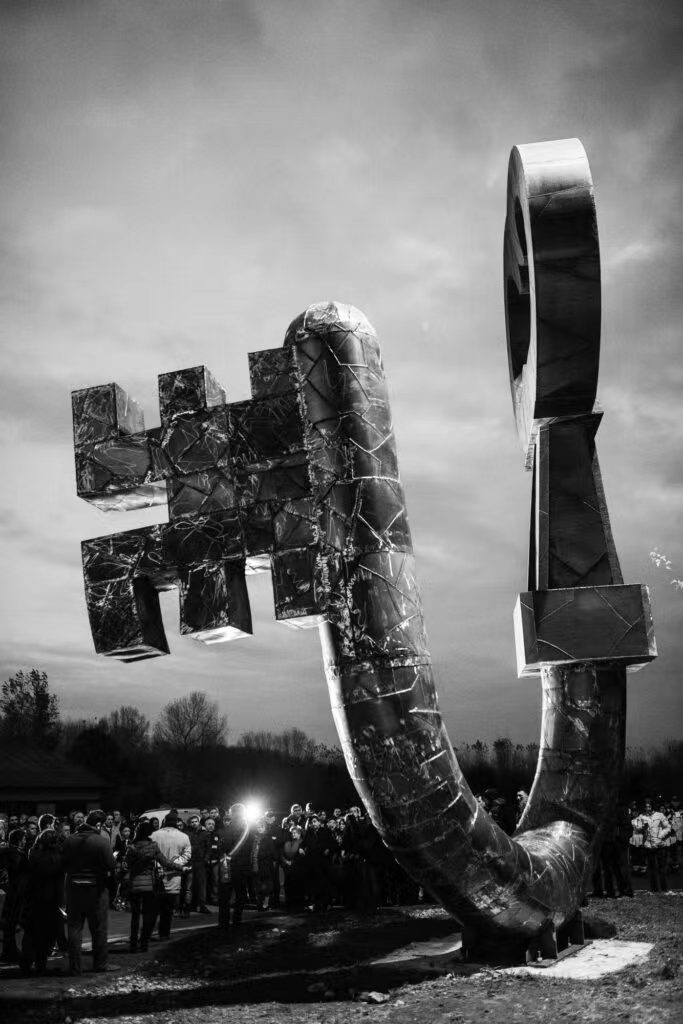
x=181 y=179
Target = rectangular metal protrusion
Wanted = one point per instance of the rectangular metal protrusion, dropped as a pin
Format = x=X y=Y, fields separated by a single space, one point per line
x=186 y=391
x=564 y=626
x=271 y=372
x=294 y=590
x=104 y=412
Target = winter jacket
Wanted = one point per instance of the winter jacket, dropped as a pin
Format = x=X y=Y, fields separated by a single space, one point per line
x=291 y=820
x=199 y=843
x=139 y=864
x=15 y=865
x=317 y=844
x=121 y=845
x=214 y=847
x=654 y=828
x=240 y=857
x=87 y=858
x=44 y=884
x=263 y=854
x=175 y=846
x=290 y=850
x=111 y=835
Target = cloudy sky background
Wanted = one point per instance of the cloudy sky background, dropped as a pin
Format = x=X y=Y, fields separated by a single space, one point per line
x=180 y=179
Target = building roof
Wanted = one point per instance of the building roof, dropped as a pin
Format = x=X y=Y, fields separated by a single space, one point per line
x=33 y=768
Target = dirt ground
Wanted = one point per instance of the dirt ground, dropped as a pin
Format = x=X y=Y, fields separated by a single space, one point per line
x=315 y=970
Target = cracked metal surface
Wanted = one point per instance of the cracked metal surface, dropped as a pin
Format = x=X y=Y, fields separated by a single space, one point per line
x=235 y=479
x=602 y=624
x=303 y=479
x=551 y=262
x=579 y=627
x=379 y=670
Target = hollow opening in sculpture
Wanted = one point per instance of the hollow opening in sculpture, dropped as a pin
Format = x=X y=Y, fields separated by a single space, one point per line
x=517 y=299
x=519 y=325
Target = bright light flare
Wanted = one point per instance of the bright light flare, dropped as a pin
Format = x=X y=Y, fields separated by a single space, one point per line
x=252 y=811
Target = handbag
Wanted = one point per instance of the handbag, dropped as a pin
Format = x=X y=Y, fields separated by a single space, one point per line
x=224 y=870
x=158 y=875
x=60 y=929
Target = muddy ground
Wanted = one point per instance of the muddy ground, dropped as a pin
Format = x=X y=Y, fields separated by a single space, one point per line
x=315 y=970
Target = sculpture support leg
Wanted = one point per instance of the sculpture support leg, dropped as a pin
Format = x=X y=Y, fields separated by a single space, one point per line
x=583 y=729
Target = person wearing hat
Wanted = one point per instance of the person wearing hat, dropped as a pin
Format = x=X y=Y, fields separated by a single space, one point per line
x=175 y=846
x=236 y=864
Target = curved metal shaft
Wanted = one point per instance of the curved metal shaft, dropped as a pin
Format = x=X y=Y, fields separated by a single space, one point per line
x=380 y=677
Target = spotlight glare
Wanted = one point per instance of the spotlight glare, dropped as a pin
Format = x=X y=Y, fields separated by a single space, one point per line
x=252 y=811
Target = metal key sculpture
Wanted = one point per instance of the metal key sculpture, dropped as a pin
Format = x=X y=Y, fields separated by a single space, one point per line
x=303 y=480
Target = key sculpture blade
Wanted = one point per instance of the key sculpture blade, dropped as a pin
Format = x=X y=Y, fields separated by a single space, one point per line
x=302 y=479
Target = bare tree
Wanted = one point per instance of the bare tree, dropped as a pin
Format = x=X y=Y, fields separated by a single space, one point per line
x=296 y=744
x=28 y=711
x=292 y=743
x=129 y=727
x=191 y=723
x=259 y=739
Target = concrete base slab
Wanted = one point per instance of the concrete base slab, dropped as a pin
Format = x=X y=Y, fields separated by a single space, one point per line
x=594 y=960
x=602 y=956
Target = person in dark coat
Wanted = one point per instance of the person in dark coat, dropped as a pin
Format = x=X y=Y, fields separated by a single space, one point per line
x=614 y=855
x=44 y=894
x=235 y=865
x=295 y=817
x=318 y=847
x=213 y=856
x=274 y=831
x=32 y=831
x=293 y=860
x=123 y=842
x=89 y=865
x=15 y=867
x=263 y=856
x=199 y=841
x=143 y=887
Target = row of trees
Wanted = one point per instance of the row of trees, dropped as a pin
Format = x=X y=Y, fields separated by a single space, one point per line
x=185 y=757
x=30 y=713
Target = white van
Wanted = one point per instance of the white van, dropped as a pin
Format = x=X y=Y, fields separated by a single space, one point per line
x=185 y=813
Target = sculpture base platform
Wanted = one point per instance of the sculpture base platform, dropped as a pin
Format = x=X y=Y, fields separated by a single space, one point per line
x=595 y=959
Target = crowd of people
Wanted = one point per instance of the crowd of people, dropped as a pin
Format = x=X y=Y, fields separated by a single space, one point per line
x=58 y=873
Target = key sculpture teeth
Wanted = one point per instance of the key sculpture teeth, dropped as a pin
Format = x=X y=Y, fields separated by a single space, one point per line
x=302 y=479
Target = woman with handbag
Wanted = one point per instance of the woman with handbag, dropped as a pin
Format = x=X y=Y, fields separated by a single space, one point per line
x=145 y=865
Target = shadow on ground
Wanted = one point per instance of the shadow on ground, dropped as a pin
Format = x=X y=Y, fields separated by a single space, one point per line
x=275 y=959
x=331 y=959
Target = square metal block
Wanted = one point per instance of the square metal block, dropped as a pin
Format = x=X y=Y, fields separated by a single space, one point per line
x=584 y=624
x=271 y=372
x=104 y=412
x=294 y=590
x=188 y=391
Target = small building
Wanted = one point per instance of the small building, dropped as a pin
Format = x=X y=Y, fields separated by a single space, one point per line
x=37 y=781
